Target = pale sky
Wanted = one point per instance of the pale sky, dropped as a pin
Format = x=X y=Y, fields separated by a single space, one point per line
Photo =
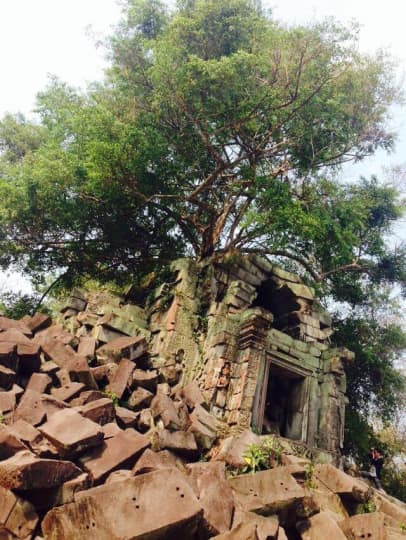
x=42 y=37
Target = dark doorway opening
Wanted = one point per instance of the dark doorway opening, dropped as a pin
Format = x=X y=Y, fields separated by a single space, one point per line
x=285 y=403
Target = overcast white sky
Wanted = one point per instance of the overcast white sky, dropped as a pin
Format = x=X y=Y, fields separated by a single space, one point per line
x=41 y=37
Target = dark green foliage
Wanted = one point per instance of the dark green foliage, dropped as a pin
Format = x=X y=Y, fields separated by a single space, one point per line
x=16 y=305
x=214 y=131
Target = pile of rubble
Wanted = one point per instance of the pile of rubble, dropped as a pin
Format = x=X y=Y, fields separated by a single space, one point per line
x=99 y=442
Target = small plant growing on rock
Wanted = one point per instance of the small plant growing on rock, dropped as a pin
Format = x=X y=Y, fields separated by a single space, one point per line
x=309 y=472
x=259 y=457
x=113 y=397
x=367 y=507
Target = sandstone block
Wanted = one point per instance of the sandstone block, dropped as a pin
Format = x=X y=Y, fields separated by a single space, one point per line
x=140 y=399
x=320 y=526
x=341 y=483
x=192 y=395
x=145 y=378
x=122 y=347
x=7 y=401
x=181 y=442
x=7 y=377
x=243 y=531
x=164 y=407
x=17 y=516
x=101 y=411
x=10 y=444
x=232 y=449
x=214 y=493
x=8 y=356
x=68 y=391
x=121 y=379
x=31 y=408
x=87 y=396
x=39 y=382
x=267 y=527
x=118 y=452
x=154 y=461
x=39 y=321
x=266 y=492
x=158 y=505
x=71 y=433
x=87 y=347
x=365 y=526
x=24 y=471
x=126 y=418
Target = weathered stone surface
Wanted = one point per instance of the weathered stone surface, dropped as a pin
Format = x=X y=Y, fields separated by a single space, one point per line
x=158 y=505
x=232 y=449
x=243 y=531
x=7 y=324
x=31 y=408
x=320 y=526
x=85 y=397
x=10 y=444
x=79 y=371
x=164 y=407
x=267 y=527
x=101 y=411
x=266 y=492
x=203 y=426
x=140 y=399
x=110 y=430
x=145 y=420
x=71 y=433
x=365 y=526
x=46 y=498
x=122 y=347
x=7 y=377
x=121 y=378
x=126 y=418
x=181 y=442
x=7 y=401
x=154 y=461
x=56 y=351
x=145 y=378
x=25 y=471
x=118 y=476
x=395 y=511
x=52 y=405
x=24 y=431
x=120 y=451
x=329 y=502
x=17 y=516
x=81 y=520
x=209 y=483
x=39 y=382
x=87 y=347
x=192 y=395
x=68 y=391
x=341 y=483
x=37 y=322
x=8 y=356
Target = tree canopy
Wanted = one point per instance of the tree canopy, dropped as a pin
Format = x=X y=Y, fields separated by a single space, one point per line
x=216 y=129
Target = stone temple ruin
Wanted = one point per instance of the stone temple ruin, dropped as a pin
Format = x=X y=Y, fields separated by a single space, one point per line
x=257 y=341
x=147 y=401
x=252 y=335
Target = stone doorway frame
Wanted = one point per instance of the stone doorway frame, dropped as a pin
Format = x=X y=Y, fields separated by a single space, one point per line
x=262 y=386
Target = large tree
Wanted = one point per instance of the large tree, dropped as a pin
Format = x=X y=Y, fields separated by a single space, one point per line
x=216 y=129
